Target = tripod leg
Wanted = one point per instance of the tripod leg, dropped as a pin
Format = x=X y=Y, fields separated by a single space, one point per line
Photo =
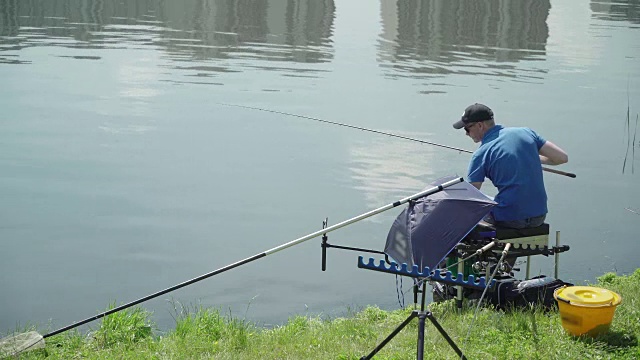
x=393 y=333
x=444 y=334
x=421 y=316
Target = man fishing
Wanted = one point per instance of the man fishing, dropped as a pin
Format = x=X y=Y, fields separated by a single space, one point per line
x=512 y=159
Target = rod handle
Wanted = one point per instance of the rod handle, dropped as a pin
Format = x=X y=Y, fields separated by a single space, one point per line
x=559 y=172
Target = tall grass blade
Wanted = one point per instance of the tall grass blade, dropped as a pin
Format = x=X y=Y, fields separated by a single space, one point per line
x=628 y=133
x=633 y=145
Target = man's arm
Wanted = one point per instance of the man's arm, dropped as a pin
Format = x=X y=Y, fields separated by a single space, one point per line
x=551 y=154
x=478 y=185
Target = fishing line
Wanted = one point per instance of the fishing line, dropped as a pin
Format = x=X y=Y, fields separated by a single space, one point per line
x=571 y=175
x=399 y=291
x=350 y=126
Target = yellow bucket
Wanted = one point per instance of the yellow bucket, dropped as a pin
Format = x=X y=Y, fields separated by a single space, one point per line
x=586 y=310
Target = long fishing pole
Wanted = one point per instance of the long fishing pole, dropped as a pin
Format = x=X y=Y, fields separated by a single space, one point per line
x=255 y=257
x=559 y=172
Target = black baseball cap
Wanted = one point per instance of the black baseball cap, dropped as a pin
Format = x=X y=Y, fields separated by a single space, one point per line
x=474 y=113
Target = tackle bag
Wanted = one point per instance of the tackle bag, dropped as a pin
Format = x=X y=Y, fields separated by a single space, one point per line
x=538 y=291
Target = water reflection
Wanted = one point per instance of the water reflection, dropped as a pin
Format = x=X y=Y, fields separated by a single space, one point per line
x=620 y=10
x=297 y=31
x=436 y=37
x=381 y=167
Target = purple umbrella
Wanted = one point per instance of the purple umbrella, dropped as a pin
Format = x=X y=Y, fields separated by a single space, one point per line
x=430 y=227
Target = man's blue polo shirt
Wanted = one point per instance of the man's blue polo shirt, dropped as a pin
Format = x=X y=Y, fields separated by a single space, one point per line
x=509 y=157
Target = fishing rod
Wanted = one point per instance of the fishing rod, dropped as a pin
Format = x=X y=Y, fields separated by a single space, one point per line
x=24 y=343
x=554 y=171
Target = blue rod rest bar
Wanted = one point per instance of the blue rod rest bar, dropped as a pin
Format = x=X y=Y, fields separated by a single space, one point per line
x=435 y=275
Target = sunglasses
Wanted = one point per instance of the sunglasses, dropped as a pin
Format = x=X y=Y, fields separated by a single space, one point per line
x=467 y=128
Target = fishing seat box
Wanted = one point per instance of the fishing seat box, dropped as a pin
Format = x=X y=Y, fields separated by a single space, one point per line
x=537 y=236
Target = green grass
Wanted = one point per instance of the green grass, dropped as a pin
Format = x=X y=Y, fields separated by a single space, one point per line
x=202 y=333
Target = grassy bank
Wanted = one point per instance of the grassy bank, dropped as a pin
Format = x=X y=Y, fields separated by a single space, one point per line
x=205 y=333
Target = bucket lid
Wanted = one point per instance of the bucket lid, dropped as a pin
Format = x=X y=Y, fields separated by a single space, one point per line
x=587 y=296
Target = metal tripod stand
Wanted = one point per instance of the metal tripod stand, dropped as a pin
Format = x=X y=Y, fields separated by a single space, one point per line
x=422 y=315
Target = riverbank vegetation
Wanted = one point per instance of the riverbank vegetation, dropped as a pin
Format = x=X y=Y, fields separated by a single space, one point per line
x=207 y=334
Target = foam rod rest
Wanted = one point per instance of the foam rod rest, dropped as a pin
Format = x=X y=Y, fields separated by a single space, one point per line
x=435 y=275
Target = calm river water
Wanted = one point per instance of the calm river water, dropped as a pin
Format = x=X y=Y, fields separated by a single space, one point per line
x=121 y=172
